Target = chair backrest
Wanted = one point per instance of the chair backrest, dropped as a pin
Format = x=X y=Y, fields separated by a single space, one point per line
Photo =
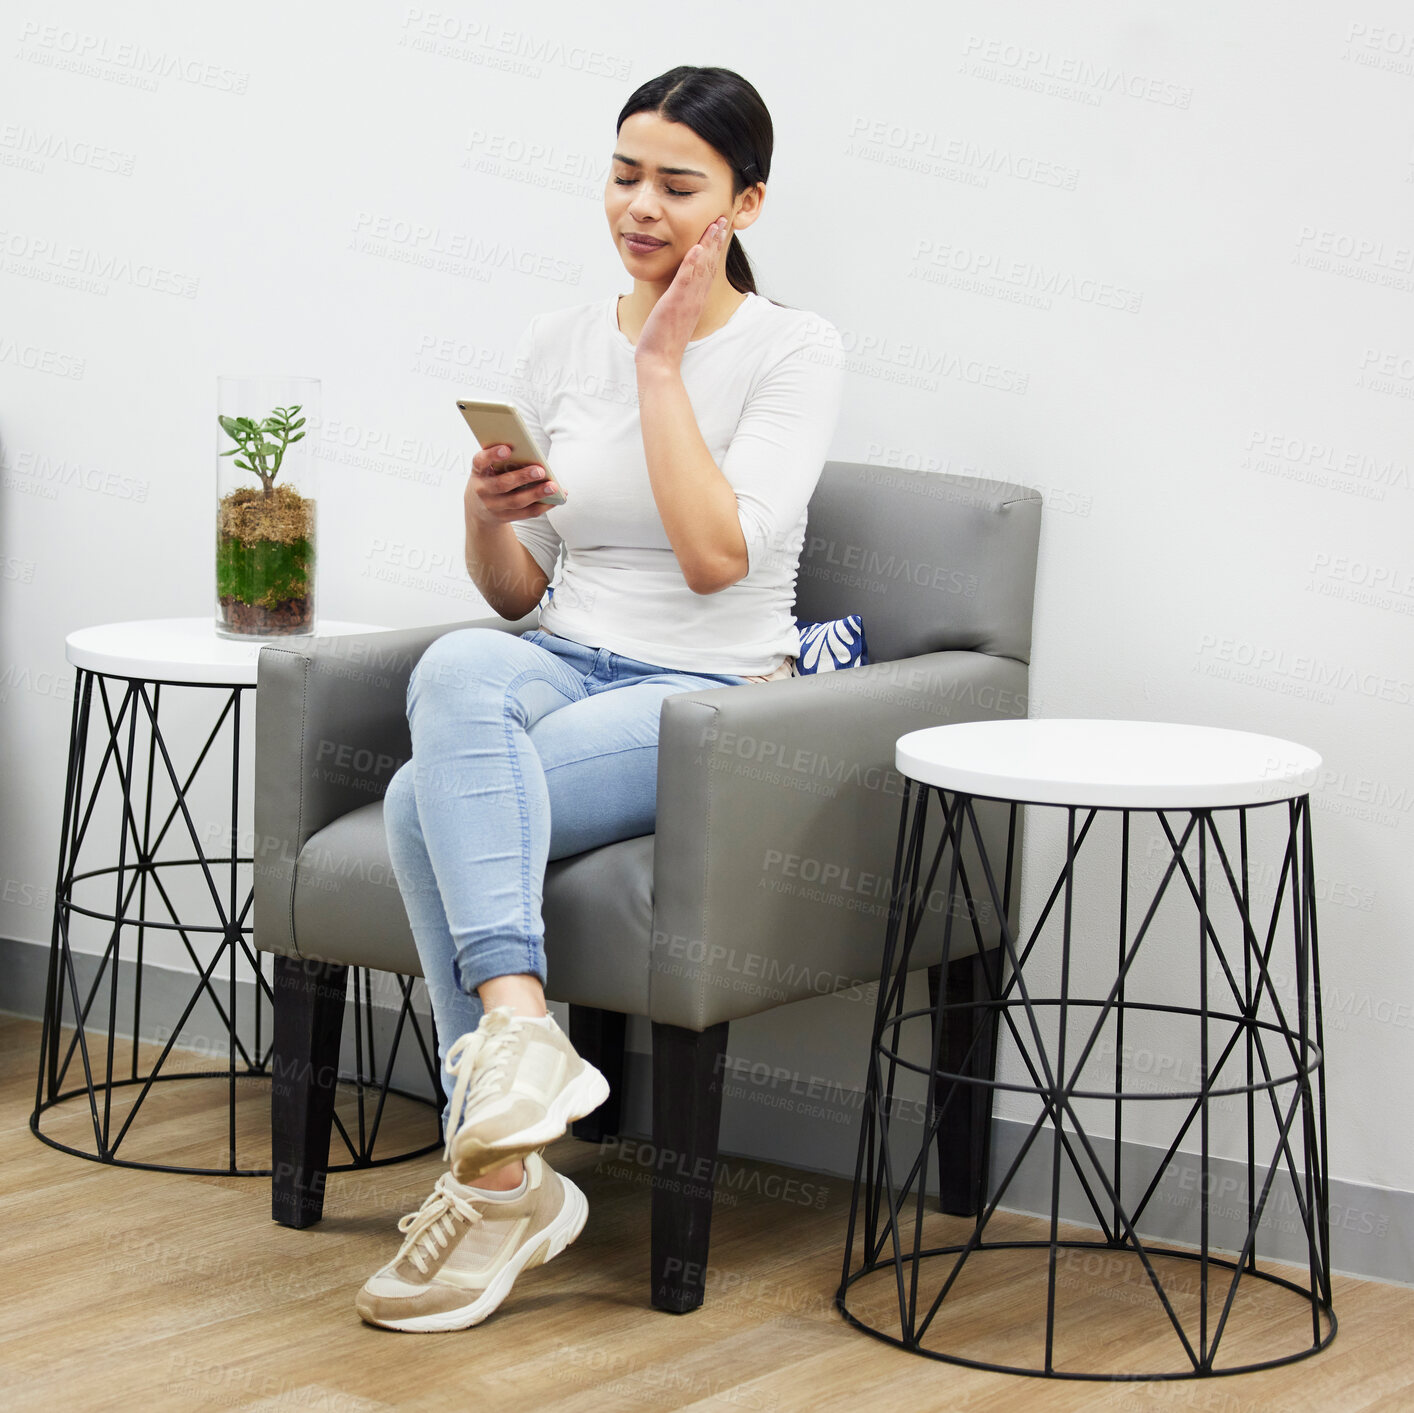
x=931 y=562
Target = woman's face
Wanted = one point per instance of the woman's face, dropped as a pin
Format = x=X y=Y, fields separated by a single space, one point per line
x=667 y=185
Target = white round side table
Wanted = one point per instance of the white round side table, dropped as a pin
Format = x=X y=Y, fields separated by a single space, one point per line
x=1064 y=994
x=123 y=669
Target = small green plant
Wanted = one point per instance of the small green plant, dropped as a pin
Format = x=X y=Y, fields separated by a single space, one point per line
x=265 y=537
x=256 y=442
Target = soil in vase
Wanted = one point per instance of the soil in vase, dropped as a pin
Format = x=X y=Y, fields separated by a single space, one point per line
x=265 y=561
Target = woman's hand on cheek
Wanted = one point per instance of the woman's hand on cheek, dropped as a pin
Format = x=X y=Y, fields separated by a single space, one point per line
x=669 y=327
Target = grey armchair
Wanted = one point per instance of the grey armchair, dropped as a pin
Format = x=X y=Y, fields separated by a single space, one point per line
x=676 y=925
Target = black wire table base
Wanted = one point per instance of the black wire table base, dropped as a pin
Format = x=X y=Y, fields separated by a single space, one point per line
x=83 y=1044
x=1257 y=1062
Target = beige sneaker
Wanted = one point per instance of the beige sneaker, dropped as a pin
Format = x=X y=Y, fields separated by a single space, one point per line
x=519 y=1085
x=461 y=1253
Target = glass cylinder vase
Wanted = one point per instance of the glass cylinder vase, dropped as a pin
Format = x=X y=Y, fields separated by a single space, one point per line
x=265 y=501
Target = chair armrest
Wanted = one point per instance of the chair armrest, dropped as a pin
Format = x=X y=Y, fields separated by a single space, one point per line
x=777 y=826
x=330 y=730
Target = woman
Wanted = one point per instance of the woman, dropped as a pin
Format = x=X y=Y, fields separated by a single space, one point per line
x=690 y=420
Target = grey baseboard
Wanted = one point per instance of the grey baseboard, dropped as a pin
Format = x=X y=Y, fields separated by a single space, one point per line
x=164 y=997
x=805 y=1126
x=816 y=1129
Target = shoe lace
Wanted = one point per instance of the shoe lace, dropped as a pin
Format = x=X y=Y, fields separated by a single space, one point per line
x=476 y=1061
x=434 y=1223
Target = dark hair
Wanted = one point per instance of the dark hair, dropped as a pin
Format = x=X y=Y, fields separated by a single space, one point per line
x=727 y=113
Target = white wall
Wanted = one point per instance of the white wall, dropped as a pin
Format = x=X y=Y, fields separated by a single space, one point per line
x=1215 y=394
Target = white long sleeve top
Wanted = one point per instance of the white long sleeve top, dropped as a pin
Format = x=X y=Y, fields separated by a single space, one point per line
x=766 y=389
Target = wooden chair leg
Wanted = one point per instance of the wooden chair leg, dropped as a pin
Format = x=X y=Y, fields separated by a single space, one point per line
x=598 y=1036
x=308 y=1021
x=688 y=1079
x=965 y=1133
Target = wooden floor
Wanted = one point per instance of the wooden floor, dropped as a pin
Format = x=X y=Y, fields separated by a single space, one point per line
x=127 y=1289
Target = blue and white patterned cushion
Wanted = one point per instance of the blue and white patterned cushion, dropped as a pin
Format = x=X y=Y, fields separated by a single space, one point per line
x=830 y=646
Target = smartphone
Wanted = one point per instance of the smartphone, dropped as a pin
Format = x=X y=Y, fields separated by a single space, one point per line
x=500 y=424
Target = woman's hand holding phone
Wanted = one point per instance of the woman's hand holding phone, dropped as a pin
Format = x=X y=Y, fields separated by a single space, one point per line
x=497 y=494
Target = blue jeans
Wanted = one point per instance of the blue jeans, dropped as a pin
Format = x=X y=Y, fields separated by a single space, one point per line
x=524 y=749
